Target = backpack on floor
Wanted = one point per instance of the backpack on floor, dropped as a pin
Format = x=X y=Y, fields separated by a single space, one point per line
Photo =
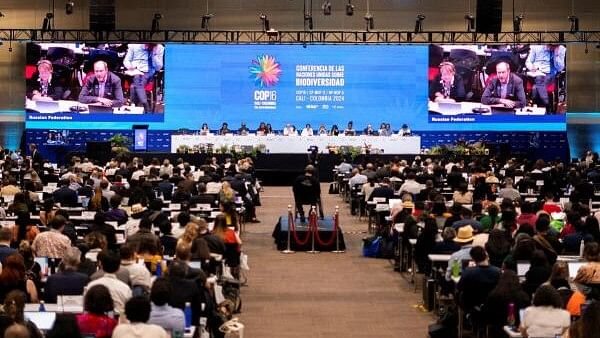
x=371 y=246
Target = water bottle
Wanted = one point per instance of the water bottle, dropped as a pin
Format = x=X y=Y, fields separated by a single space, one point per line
x=455 y=269
x=188 y=315
x=510 y=321
x=42 y=306
x=159 y=268
x=581 y=248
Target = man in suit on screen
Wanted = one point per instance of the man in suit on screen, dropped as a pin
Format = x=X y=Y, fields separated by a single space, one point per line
x=103 y=88
x=505 y=90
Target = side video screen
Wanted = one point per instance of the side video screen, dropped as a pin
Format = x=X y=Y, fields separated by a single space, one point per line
x=95 y=82
x=497 y=84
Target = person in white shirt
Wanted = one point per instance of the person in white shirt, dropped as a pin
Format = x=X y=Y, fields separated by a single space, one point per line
x=307 y=131
x=289 y=130
x=546 y=317
x=411 y=185
x=138 y=273
x=138 y=173
x=137 y=311
x=119 y=291
x=405 y=130
x=357 y=178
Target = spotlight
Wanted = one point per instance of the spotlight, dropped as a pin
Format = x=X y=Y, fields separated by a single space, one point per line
x=308 y=21
x=326 y=7
x=574 y=20
x=518 y=23
x=349 y=8
x=47 y=23
x=370 y=23
x=419 y=23
x=156 y=22
x=69 y=7
x=470 y=19
x=205 y=21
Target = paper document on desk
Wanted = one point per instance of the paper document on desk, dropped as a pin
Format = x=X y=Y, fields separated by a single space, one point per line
x=133 y=72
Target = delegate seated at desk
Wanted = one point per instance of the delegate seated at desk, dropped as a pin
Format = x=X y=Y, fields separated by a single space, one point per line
x=447 y=86
x=43 y=86
x=104 y=87
x=505 y=90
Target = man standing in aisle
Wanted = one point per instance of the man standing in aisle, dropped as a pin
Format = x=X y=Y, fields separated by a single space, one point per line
x=143 y=60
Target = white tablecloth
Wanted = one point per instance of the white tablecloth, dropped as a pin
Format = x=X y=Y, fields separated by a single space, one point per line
x=300 y=144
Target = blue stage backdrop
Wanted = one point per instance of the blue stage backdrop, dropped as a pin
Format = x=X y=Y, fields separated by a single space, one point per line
x=320 y=84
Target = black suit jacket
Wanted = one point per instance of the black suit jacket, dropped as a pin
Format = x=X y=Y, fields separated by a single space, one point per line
x=457 y=91
x=36 y=157
x=68 y=283
x=514 y=92
x=112 y=90
x=65 y=196
x=55 y=90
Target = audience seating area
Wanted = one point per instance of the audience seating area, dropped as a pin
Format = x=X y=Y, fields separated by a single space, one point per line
x=498 y=249
x=125 y=243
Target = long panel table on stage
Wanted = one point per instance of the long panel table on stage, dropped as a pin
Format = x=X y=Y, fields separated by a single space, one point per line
x=279 y=144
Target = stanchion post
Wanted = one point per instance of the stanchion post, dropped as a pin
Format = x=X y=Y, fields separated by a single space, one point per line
x=315 y=227
x=290 y=220
x=336 y=222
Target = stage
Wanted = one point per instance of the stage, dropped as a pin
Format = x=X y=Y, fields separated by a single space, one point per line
x=325 y=233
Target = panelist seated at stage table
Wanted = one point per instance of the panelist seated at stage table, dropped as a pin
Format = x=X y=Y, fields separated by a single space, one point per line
x=384 y=130
x=262 y=129
x=506 y=90
x=204 y=130
x=290 y=130
x=307 y=131
x=334 y=130
x=322 y=130
x=102 y=88
x=369 y=130
x=447 y=86
x=405 y=130
x=224 y=129
x=349 y=131
x=243 y=130
x=43 y=86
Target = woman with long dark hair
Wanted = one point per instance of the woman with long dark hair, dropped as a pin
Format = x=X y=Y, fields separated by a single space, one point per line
x=14 y=305
x=13 y=277
x=507 y=291
x=24 y=229
x=95 y=320
x=425 y=243
x=497 y=247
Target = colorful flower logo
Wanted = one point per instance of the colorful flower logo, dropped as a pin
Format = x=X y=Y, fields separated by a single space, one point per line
x=265 y=71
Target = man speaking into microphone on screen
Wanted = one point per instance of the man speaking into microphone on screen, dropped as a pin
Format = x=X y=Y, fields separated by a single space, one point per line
x=142 y=61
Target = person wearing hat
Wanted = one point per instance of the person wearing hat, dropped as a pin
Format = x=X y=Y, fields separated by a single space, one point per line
x=464 y=238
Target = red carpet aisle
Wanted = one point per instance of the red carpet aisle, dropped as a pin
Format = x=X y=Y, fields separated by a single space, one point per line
x=323 y=295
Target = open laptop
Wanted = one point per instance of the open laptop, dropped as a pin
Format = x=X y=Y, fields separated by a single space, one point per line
x=450 y=107
x=574 y=267
x=43 y=320
x=522 y=268
x=96 y=109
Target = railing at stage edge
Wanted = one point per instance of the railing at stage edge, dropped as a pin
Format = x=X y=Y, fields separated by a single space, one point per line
x=299 y=37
